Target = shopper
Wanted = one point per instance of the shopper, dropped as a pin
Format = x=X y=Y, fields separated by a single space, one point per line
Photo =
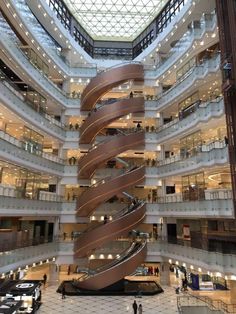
x=105 y=219
x=140 y=309
x=68 y=270
x=44 y=279
x=135 y=307
x=138 y=127
x=63 y=292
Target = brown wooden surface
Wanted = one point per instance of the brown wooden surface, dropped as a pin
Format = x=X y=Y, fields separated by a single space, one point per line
x=116 y=273
x=106 y=80
x=107 y=150
x=94 y=196
x=106 y=115
x=109 y=231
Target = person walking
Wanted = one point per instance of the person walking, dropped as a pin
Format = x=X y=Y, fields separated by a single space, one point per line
x=44 y=279
x=135 y=307
x=105 y=219
x=63 y=292
x=140 y=309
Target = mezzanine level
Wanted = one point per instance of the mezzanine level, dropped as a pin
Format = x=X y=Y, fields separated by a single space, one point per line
x=157 y=251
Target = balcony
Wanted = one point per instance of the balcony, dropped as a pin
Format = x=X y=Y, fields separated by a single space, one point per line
x=30 y=148
x=201 y=114
x=27 y=256
x=15 y=206
x=215 y=153
x=13 y=100
x=184 y=45
x=16 y=155
x=23 y=11
x=42 y=83
x=157 y=251
x=216 y=203
x=187 y=82
x=213 y=261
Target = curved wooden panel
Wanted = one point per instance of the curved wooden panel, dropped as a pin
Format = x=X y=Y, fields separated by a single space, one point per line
x=115 y=273
x=107 y=150
x=109 y=231
x=94 y=196
x=107 y=114
x=105 y=81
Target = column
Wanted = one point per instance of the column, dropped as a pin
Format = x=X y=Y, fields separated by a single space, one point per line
x=161 y=119
x=165 y=274
x=56 y=228
x=46 y=231
x=232 y=287
x=53 y=274
x=164 y=235
x=66 y=53
x=66 y=86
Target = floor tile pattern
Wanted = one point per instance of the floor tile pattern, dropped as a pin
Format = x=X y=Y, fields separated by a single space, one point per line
x=164 y=303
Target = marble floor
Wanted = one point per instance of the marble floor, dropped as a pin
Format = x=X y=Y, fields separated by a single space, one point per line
x=164 y=303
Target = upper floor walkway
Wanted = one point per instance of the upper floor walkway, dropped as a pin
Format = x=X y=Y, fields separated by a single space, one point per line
x=158 y=251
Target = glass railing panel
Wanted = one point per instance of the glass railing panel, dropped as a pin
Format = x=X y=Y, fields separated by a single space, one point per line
x=37 y=162
x=28 y=254
x=200 y=71
x=16 y=101
x=40 y=79
x=7 y=190
x=23 y=145
x=30 y=206
x=50 y=47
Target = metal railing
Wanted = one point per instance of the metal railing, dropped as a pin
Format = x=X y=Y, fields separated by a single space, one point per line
x=22 y=144
x=212 y=304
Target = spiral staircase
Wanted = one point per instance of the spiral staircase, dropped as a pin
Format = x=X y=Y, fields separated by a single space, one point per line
x=131 y=216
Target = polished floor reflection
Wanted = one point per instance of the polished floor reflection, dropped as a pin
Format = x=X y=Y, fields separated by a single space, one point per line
x=164 y=303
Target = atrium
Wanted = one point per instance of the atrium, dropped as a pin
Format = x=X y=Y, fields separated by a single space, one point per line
x=117 y=156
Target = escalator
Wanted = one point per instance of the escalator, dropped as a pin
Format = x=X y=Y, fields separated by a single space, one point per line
x=98 y=156
x=116 y=270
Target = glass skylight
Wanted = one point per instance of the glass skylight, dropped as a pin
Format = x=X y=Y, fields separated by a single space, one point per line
x=115 y=19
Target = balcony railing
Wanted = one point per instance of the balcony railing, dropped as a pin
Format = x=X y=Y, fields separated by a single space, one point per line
x=185 y=44
x=27 y=255
x=20 y=205
x=7 y=190
x=216 y=152
x=201 y=113
x=16 y=154
x=215 y=194
x=14 y=242
x=50 y=196
x=15 y=101
x=41 y=80
x=22 y=145
x=192 y=302
x=215 y=261
x=185 y=251
x=195 y=73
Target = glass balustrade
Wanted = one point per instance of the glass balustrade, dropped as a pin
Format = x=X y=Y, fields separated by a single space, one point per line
x=197 y=72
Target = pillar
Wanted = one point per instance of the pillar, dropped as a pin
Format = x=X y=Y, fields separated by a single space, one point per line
x=56 y=228
x=53 y=274
x=46 y=231
x=165 y=274
x=232 y=287
x=66 y=86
